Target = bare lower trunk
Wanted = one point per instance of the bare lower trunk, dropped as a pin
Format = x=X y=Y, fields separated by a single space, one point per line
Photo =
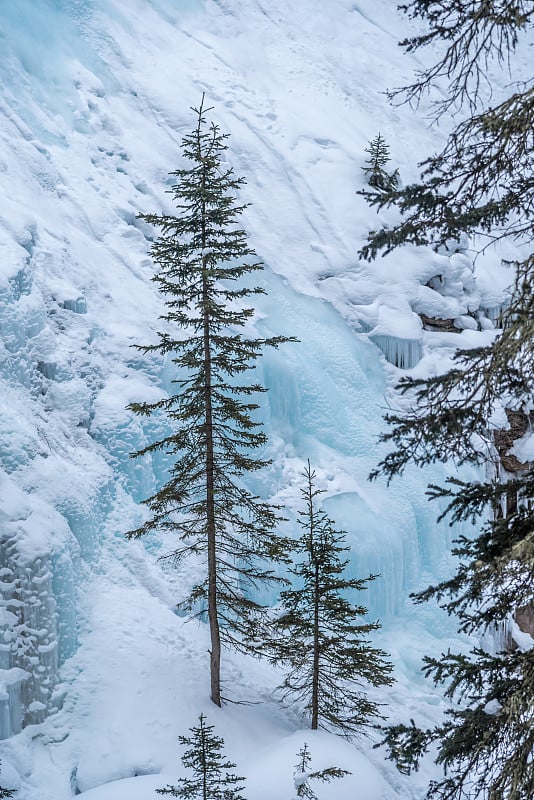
x=213 y=616
x=215 y=653
x=315 y=672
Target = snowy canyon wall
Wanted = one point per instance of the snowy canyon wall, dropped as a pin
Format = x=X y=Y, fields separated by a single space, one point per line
x=95 y=98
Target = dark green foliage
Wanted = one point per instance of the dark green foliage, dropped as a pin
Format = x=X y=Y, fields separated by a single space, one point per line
x=499 y=562
x=406 y=745
x=487 y=745
x=210 y=778
x=322 y=635
x=377 y=177
x=481 y=183
x=302 y=774
x=202 y=256
x=485 y=753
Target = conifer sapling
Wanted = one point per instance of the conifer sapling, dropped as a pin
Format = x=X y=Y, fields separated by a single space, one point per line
x=322 y=635
x=209 y=769
x=303 y=774
x=377 y=177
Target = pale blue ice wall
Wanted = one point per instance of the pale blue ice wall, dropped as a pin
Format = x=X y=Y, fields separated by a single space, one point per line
x=51 y=507
x=75 y=294
x=54 y=492
x=327 y=397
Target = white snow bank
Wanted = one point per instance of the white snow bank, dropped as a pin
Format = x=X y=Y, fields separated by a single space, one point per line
x=142 y=787
x=269 y=773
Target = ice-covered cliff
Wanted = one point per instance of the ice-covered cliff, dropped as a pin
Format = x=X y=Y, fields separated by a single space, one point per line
x=98 y=676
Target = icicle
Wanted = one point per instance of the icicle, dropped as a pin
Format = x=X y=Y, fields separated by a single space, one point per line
x=28 y=637
x=402 y=353
x=11 y=682
x=495 y=314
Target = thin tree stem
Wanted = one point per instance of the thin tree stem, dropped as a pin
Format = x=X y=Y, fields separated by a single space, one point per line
x=315 y=679
x=213 y=616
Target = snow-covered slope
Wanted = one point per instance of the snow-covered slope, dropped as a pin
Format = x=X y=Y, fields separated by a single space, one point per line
x=96 y=96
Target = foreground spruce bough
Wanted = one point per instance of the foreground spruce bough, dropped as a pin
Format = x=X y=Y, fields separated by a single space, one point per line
x=480 y=184
x=202 y=254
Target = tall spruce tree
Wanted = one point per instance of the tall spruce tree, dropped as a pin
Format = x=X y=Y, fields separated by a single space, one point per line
x=376 y=174
x=322 y=634
x=303 y=774
x=210 y=777
x=482 y=183
x=202 y=254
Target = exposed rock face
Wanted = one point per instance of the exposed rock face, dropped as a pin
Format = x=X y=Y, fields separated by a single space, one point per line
x=505 y=439
x=524 y=617
x=437 y=324
x=519 y=423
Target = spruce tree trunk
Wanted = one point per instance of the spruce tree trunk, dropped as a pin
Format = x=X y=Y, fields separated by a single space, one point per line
x=315 y=664
x=213 y=616
x=204 y=762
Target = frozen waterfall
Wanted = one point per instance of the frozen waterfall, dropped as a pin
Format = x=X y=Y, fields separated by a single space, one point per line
x=98 y=673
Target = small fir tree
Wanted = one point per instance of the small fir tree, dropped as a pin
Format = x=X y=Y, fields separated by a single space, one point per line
x=303 y=775
x=202 y=255
x=377 y=177
x=210 y=777
x=322 y=635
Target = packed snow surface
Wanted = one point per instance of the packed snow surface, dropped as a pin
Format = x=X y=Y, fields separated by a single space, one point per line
x=96 y=96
